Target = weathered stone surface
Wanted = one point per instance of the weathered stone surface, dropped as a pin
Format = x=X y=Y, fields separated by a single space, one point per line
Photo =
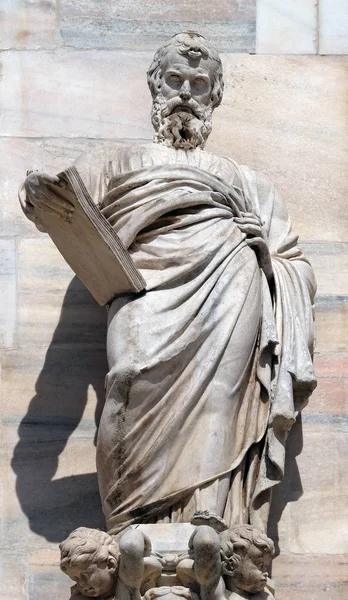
x=330 y=510
x=16 y=157
x=287 y=117
x=331 y=315
x=333 y=27
x=286 y=28
x=322 y=492
x=93 y=94
x=312 y=461
x=49 y=297
x=331 y=365
x=30 y=24
x=314 y=490
x=8 y=285
x=54 y=387
x=14 y=575
x=99 y=24
x=41 y=505
x=329 y=398
x=45 y=578
x=330 y=264
x=301 y=577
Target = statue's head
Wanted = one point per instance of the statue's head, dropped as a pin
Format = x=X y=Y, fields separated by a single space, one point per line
x=90 y=557
x=246 y=553
x=186 y=84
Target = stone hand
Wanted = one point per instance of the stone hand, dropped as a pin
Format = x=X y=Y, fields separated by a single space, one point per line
x=41 y=192
x=251 y=225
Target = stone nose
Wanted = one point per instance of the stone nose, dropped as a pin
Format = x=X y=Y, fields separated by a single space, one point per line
x=185 y=92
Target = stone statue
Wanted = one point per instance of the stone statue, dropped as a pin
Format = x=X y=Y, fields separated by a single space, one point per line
x=101 y=566
x=236 y=560
x=210 y=366
x=246 y=554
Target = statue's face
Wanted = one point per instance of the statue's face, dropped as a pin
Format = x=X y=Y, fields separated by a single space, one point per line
x=251 y=574
x=182 y=109
x=94 y=580
x=190 y=81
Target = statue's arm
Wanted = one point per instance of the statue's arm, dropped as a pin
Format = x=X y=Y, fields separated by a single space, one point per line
x=40 y=191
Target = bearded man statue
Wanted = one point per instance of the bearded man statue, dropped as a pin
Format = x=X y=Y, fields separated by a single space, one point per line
x=209 y=367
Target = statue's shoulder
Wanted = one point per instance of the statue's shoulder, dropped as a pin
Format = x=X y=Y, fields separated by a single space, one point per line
x=110 y=158
x=109 y=151
x=250 y=180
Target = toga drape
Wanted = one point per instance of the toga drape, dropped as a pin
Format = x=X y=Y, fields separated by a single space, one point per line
x=207 y=368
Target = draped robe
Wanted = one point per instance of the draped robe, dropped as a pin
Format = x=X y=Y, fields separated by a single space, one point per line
x=209 y=367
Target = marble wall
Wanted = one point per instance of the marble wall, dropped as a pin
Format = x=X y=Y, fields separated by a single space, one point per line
x=72 y=75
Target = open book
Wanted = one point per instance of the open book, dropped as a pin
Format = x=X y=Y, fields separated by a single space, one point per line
x=89 y=244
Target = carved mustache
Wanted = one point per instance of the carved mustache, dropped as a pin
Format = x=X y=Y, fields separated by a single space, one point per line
x=176 y=102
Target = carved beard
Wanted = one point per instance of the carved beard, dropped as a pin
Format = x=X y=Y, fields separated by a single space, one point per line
x=182 y=128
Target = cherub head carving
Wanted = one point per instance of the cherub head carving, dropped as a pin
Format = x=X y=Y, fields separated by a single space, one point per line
x=90 y=557
x=186 y=84
x=246 y=553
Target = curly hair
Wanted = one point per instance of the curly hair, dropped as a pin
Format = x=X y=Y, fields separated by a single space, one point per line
x=195 y=46
x=87 y=546
x=235 y=544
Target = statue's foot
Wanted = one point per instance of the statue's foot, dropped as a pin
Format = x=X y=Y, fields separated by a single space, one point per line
x=204 y=517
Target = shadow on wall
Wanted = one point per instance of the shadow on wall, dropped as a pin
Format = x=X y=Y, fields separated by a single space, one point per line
x=75 y=360
x=290 y=489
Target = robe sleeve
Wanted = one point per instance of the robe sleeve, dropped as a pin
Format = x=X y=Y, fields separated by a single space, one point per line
x=293 y=378
x=295 y=287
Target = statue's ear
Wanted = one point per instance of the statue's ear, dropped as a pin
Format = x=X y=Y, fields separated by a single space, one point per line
x=112 y=564
x=158 y=80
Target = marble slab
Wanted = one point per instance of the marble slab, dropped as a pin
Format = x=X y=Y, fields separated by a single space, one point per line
x=13 y=576
x=8 y=286
x=329 y=399
x=331 y=321
x=330 y=264
x=52 y=299
x=17 y=156
x=94 y=94
x=333 y=27
x=28 y=25
x=302 y=577
x=286 y=27
x=319 y=522
x=40 y=504
x=230 y=24
x=287 y=117
x=314 y=491
x=46 y=580
x=331 y=365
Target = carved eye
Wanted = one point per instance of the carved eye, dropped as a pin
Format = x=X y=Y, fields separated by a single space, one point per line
x=175 y=79
x=200 y=83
